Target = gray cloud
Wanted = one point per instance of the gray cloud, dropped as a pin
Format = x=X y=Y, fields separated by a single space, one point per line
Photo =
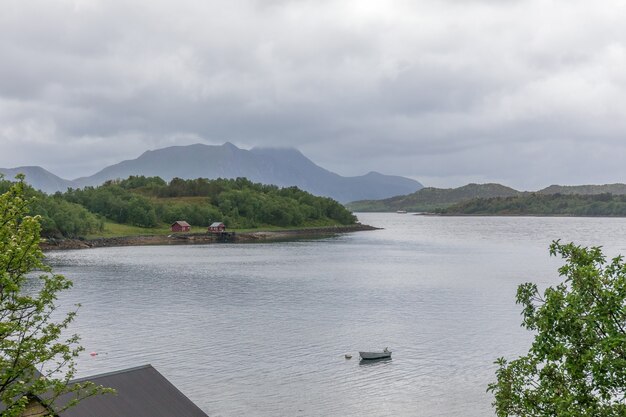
x=524 y=92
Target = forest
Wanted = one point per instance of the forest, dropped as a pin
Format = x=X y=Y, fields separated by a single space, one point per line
x=151 y=202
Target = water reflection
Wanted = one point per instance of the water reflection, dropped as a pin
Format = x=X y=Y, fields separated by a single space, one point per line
x=374 y=362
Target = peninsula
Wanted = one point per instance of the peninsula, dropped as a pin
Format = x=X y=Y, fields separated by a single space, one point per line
x=148 y=210
x=245 y=236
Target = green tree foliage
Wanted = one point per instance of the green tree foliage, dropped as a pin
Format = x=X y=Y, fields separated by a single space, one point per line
x=199 y=214
x=576 y=365
x=34 y=358
x=116 y=203
x=62 y=218
x=239 y=203
x=141 y=183
x=150 y=202
x=58 y=217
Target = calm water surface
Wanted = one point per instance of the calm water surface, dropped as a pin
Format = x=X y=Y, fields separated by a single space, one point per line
x=261 y=329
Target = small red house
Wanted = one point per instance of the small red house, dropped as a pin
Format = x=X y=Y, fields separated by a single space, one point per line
x=180 y=226
x=217 y=227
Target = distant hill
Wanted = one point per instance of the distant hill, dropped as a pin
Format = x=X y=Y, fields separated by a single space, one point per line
x=430 y=199
x=616 y=189
x=301 y=171
x=39 y=178
x=535 y=204
x=282 y=167
x=150 y=205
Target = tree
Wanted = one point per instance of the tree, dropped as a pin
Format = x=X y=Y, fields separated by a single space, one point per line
x=35 y=359
x=576 y=365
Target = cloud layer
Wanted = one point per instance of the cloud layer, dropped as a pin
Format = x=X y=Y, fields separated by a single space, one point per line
x=527 y=93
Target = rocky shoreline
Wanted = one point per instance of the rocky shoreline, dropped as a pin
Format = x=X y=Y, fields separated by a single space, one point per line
x=200 y=238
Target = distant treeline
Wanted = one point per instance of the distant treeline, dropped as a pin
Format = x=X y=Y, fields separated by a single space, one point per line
x=151 y=201
x=431 y=199
x=587 y=200
x=59 y=217
x=543 y=205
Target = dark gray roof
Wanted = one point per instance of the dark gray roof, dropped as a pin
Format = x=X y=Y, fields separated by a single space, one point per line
x=141 y=392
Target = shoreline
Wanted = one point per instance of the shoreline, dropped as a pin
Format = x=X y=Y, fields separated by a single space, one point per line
x=425 y=214
x=584 y=216
x=201 y=238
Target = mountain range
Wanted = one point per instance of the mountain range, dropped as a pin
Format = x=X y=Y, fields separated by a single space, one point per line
x=430 y=199
x=281 y=167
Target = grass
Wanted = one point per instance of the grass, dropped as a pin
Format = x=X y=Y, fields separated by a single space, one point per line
x=112 y=229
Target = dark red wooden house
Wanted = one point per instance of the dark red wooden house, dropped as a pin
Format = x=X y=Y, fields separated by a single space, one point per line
x=180 y=226
x=217 y=227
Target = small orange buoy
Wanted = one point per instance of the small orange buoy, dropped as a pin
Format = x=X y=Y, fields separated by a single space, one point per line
x=94 y=353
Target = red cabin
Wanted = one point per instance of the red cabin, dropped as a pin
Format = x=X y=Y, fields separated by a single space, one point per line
x=217 y=227
x=180 y=226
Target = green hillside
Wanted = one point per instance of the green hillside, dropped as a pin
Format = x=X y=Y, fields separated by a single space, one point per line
x=617 y=189
x=430 y=199
x=543 y=205
x=147 y=205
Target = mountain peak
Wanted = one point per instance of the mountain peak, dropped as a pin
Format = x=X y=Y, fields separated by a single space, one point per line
x=229 y=145
x=39 y=178
x=285 y=149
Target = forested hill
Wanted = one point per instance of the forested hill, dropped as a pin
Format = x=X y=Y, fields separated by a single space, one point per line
x=435 y=199
x=617 y=189
x=150 y=202
x=429 y=199
x=536 y=204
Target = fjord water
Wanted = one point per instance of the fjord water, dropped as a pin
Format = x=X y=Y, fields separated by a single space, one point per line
x=262 y=329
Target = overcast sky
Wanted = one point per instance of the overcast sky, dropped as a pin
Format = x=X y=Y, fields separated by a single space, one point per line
x=526 y=93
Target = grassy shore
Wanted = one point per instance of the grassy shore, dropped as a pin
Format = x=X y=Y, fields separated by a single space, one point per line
x=122 y=230
x=115 y=230
x=121 y=235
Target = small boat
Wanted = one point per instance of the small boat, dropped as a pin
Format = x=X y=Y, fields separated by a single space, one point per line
x=348 y=356
x=386 y=353
x=401 y=211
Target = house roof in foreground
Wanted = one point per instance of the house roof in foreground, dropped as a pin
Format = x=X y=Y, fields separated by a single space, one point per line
x=216 y=224
x=141 y=392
